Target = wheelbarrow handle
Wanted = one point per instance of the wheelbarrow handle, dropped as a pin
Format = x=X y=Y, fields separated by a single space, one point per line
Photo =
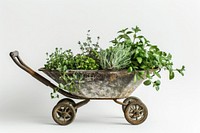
x=18 y=61
x=16 y=58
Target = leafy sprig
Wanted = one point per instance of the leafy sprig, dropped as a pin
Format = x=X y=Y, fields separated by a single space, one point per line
x=146 y=57
x=89 y=48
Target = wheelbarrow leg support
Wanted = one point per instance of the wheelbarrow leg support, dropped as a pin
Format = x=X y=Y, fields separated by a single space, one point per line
x=118 y=102
x=80 y=104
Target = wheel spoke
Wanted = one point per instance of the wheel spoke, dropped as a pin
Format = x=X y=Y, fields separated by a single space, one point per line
x=131 y=114
x=68 y=116
x=68 y=110
x=65 y=109
x=140 y=108
x=58 y=111
x=140 y=111
x=137 y=107
x=64 y=119
x=132 y=107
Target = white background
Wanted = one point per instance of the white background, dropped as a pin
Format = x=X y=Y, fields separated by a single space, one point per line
x=35 y=27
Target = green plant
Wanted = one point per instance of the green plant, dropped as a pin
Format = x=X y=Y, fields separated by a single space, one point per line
x=85 y=62
x=60 y=60
x=130 y=50
x=89 y=48
x=145 y=57
x=63 y=60
x=115 y=58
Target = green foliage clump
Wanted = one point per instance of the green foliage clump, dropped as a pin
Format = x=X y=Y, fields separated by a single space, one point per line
x=85 y=63
x=145 y=56
x=65 y=60
x=115 y=58
x=60 y=60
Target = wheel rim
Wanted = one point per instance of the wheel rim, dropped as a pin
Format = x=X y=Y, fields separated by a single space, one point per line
x=63 y=114
x=136 y=113
x=129 y=100
x=67 y=100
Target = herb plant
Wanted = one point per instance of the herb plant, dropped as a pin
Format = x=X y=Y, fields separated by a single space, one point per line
x=145 y=57
x=89 y=48
x=130 y=50
x=115 y=58
x=60 y=60
x=63 y=60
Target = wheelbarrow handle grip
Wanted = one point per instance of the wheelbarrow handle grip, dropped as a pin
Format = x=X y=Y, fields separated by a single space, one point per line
x=18 y=61
x=16 y=58
x=14 y=54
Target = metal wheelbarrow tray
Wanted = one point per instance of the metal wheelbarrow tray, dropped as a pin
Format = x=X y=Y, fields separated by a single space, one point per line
x=97 y=85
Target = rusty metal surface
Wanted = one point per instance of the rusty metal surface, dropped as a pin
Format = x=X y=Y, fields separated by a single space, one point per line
x=101 y=84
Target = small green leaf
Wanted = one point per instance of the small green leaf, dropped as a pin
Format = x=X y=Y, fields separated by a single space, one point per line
x=130 y=69
x=171 y=75
x=157 y=74
x=181 y=70
x=129 y=32
x=169 y=56
x=143 y=67
x=147 y=82
x=157 y=88
x=157 y=82
x=148 y=74
x=154 y=47
x=123 y=30
x=140 y=37
x=139 y=59
x=164 y=53
x=136 y=29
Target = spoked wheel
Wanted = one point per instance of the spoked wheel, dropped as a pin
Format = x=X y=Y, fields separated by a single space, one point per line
x=63 y=114
x=129 y=100
x=68 y=101
x=136 y=113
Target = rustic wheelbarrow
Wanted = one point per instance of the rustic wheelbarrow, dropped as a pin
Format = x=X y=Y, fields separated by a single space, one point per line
x=97 y=85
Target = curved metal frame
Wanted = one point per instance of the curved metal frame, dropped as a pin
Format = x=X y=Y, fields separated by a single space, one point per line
x=18 y=61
